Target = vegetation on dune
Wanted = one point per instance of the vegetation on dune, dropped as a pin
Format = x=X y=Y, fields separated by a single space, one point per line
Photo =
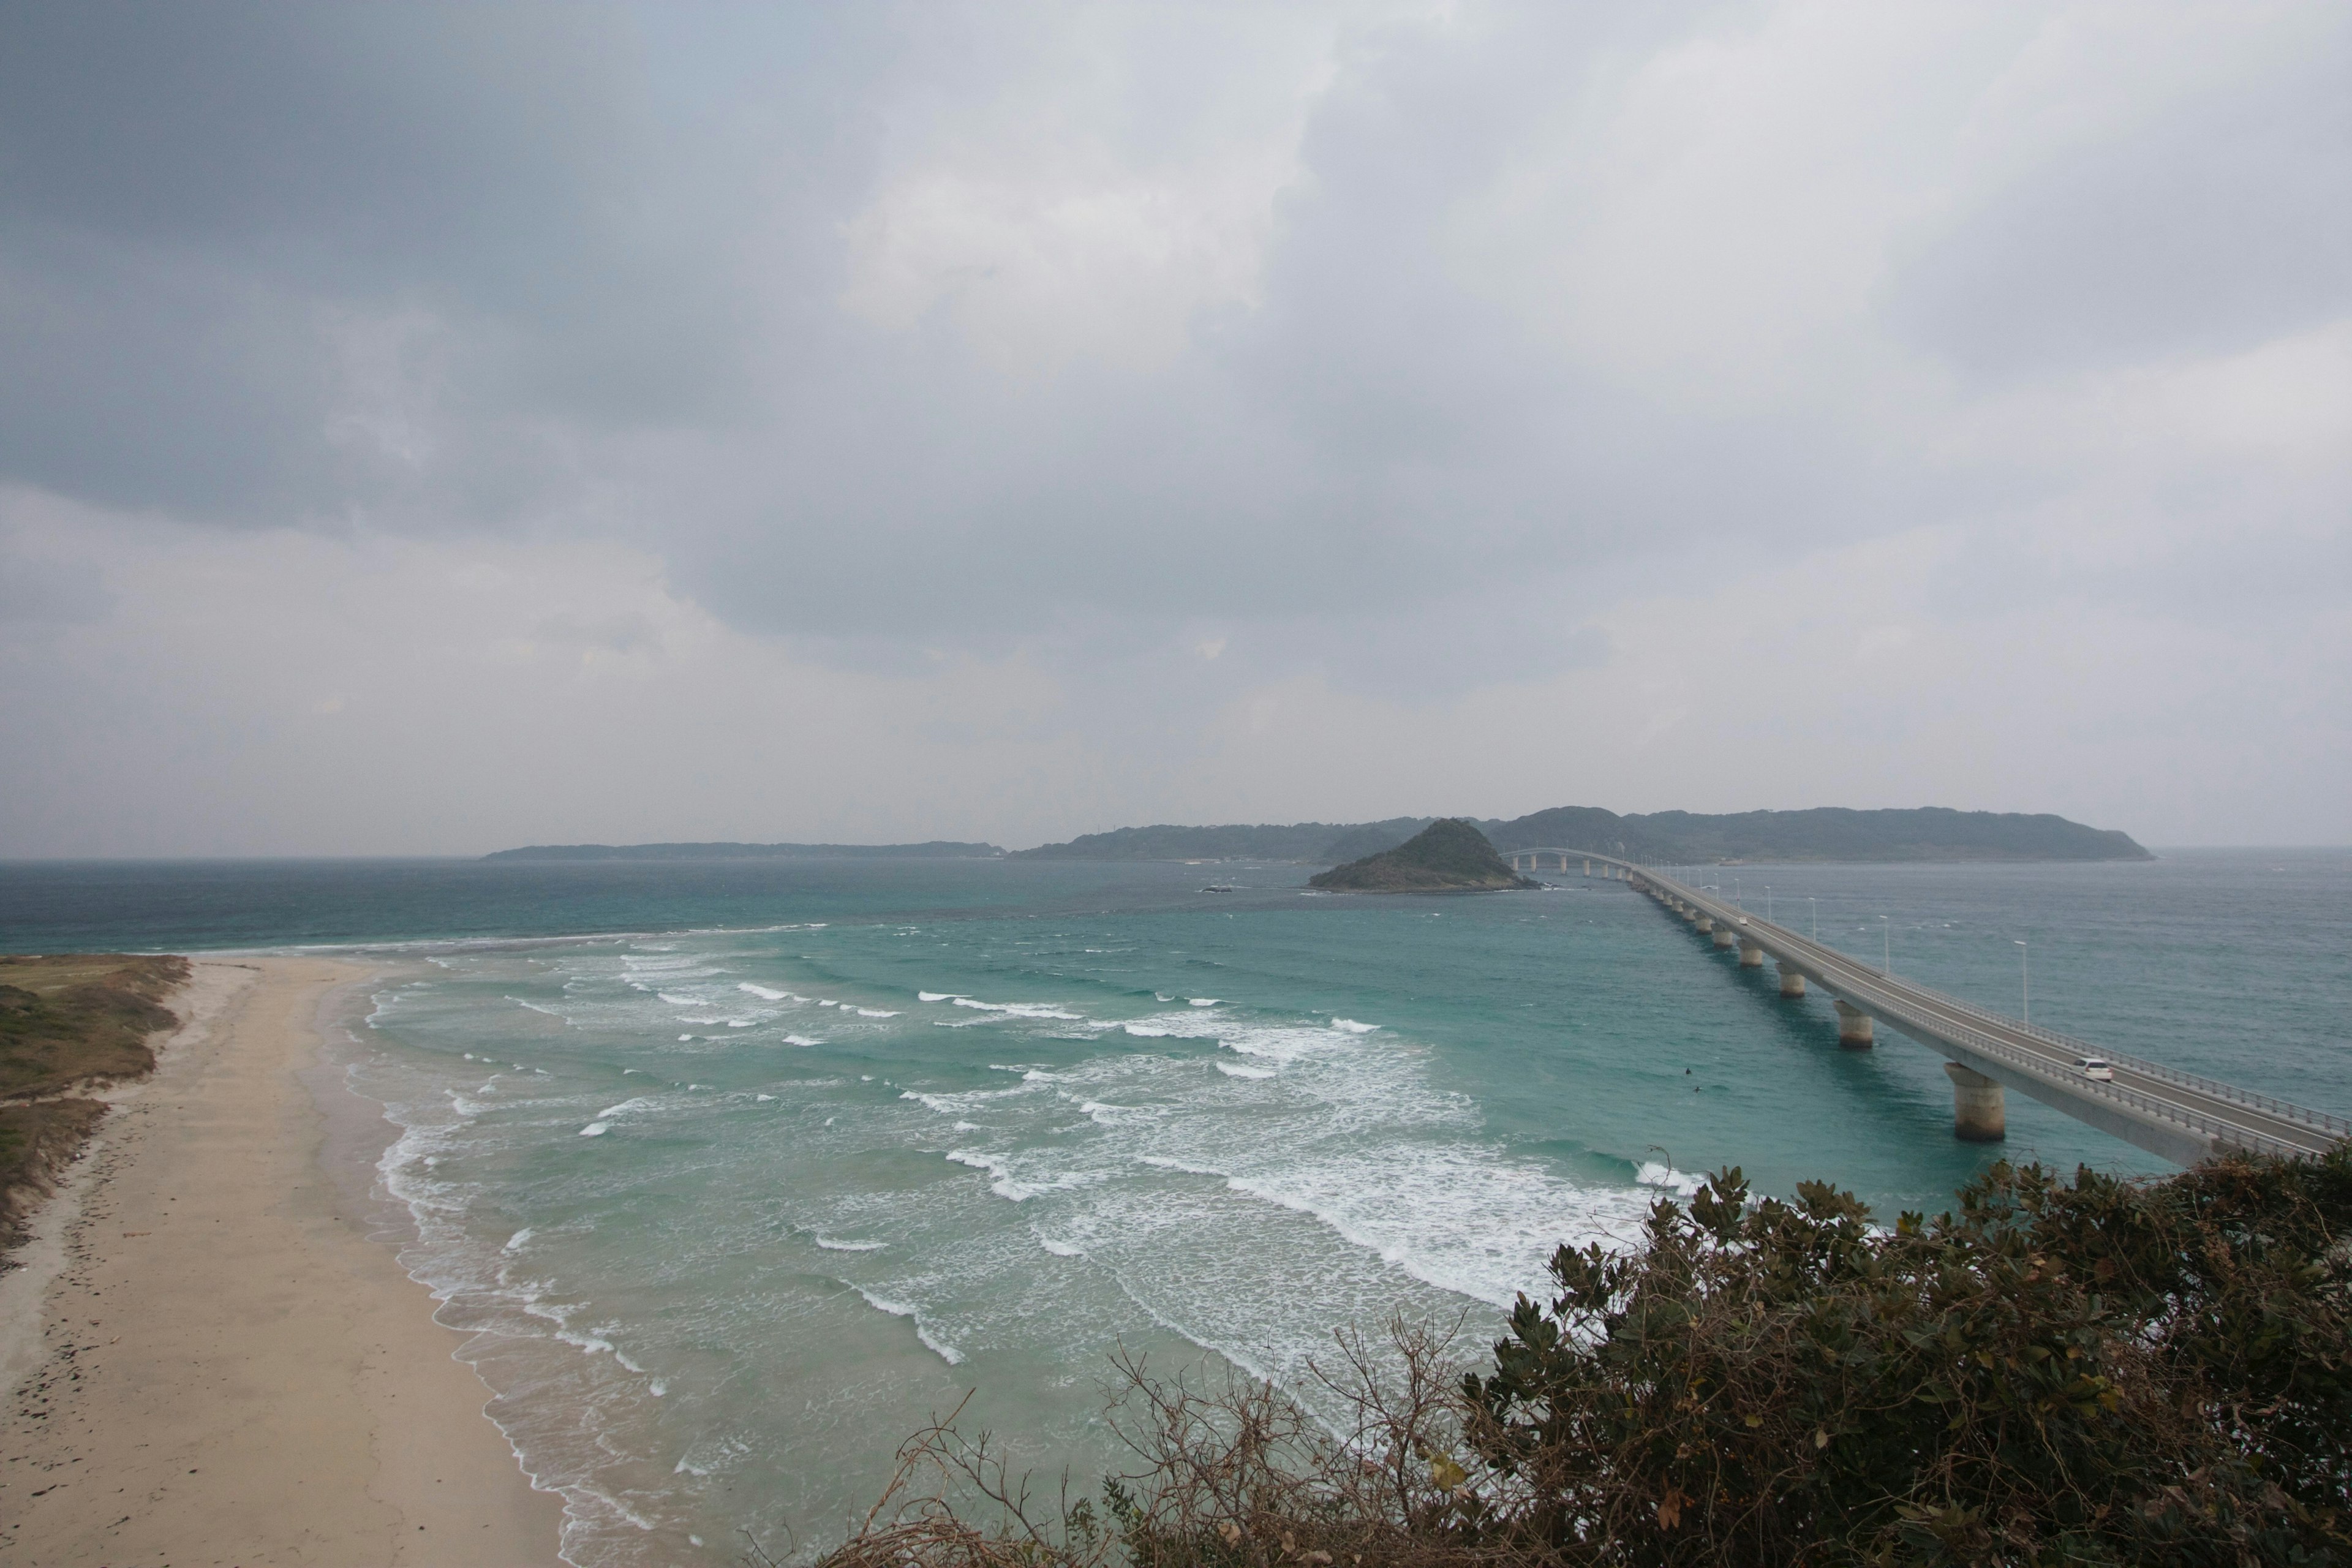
x=65 y=1022
x=1446 y=857
x=2094 y=1371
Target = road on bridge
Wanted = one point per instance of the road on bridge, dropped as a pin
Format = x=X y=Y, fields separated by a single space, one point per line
x=2178 y=1115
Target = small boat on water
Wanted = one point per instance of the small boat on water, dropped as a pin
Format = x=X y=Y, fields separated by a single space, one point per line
x=1222 y=887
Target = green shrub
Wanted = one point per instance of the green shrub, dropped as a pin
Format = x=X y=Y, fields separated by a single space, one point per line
x=2094 y=1371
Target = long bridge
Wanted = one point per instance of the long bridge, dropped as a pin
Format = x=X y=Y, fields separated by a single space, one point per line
x=2179 y=1116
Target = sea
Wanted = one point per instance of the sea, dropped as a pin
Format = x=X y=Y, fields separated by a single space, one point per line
x=738 y=1173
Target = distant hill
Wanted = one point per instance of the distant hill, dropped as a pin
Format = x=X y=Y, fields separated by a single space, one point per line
x=1316 y=843
x=1825 y=833
x=938 y=849
x=1446 y=857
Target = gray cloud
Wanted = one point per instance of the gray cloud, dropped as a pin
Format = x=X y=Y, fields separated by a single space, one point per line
x=2213 y=224
x=1391 y=352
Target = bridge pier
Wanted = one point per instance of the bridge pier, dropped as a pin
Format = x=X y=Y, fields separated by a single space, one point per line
x=1723 y=937
x=1792 y=981
x=1980 y=1108
x=1853 y=1027
x=1751 y=955
x=1705 y=925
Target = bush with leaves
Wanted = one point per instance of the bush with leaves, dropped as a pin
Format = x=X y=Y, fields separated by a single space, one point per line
x=2094 y=1371
x=2089 y=1372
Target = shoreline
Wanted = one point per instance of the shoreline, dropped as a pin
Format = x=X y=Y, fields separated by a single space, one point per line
x=210 y=1351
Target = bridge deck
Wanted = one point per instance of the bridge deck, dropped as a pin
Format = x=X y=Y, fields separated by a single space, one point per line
x=2178 y=1115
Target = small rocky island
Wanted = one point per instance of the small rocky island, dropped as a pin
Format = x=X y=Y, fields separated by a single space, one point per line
x=1449 y=856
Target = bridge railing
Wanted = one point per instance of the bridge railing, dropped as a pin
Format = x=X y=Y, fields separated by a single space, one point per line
x=2285 y=1109
x=1891 y=1008
x=2331 y=1126
x=1863 y=984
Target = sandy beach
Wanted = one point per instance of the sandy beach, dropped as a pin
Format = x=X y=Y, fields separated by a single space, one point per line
x=208 y=1359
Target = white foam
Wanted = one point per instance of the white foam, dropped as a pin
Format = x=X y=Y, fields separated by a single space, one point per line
x=1654 y=1174
x=1106 y=1115
x=514 y=1242
x=679 y=1000
x=1005 y=1184
x=1163 y=1162
x=1147 y=1031
x=762 y=991
x=801 y=1040
x=1203 y=1001
x=1234 y=1069
x=1462 y=1217
x=1061 y=1248
x=1351 y=1026
x=763 y=1097
x=1023 y=1009
x=944 y=1350
x=1282 y=1045
x=640 y=1103
x=961 y=1101
x=832 y=1245
x=873 y=1013
x=742 y=1023
x=934 y=996
x=596 y=1130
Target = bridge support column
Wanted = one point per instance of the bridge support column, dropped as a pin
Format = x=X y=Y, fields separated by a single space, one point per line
x=1979 y=1110
x=1723 y=937
x=1853 y=1029
x=1751 y=955
x=1705 y=925
x=1792 y=981
x=1587 y=868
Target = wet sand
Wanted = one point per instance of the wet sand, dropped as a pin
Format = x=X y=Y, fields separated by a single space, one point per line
x=210 y=1362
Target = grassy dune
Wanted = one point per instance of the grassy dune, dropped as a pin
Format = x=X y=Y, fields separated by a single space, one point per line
x=68 y=1024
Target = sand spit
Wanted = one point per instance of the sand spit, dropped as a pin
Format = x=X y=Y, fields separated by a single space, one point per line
x=207 y=1359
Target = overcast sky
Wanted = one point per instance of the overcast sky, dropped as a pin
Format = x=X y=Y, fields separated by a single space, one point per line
x=429 y=430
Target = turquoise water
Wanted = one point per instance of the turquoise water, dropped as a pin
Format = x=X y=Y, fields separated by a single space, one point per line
x=736 y=1201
